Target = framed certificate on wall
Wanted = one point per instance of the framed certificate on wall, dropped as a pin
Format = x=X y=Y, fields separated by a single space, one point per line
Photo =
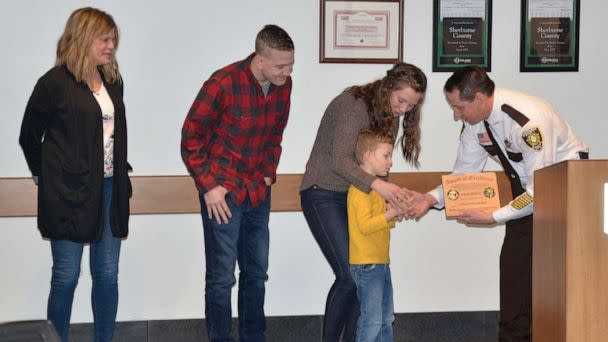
x=365 y=31
x=462 y=34
x=549 y=35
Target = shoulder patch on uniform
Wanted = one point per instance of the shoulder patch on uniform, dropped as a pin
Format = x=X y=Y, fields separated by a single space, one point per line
x=522 y=200
x=515 y=114
x=533 y=138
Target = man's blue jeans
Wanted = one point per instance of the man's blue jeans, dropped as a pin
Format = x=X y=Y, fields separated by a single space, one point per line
x=375 y=293
x=104 y=271
x=244 y=239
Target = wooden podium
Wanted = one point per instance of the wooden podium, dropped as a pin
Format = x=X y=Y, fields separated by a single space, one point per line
x=570 y=255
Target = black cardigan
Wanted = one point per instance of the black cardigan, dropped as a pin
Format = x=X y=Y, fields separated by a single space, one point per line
x=62 y=140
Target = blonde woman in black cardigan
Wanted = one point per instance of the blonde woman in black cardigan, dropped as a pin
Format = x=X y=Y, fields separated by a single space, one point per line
x=74 y=138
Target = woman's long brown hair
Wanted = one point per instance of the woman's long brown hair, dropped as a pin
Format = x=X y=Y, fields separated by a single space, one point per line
x=376 y=96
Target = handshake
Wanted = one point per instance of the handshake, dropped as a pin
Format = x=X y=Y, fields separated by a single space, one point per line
x=403 y=203
x=408 y=204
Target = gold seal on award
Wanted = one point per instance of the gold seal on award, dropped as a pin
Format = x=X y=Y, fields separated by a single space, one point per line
x=453 y=194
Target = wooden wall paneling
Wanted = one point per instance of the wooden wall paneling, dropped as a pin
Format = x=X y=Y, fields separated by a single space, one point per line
x=178 y=195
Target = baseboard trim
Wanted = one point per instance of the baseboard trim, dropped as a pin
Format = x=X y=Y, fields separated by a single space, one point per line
x=471 y=326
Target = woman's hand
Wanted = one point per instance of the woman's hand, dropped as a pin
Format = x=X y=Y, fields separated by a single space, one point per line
x=395 y=195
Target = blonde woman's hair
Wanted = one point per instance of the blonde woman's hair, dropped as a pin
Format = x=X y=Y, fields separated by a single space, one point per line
x=83 y=26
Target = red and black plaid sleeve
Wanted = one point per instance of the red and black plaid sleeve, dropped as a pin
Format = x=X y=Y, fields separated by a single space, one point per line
x=197 y=132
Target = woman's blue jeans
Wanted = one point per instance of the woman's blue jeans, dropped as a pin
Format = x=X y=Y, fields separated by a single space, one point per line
x=325 y=212
x=104 y=271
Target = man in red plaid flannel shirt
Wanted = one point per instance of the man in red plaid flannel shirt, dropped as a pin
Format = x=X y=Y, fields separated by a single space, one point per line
x=231 y=144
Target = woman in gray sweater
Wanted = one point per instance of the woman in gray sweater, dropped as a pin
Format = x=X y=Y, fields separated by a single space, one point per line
x=332 y=168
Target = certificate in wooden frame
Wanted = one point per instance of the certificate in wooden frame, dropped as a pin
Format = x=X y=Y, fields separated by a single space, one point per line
x=462 y=34
x=549 y=35
x=364 y=31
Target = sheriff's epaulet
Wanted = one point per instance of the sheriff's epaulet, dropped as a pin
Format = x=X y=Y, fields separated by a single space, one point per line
x=516 y=115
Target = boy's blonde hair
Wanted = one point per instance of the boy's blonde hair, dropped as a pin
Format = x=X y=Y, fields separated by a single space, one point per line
x=368 y=141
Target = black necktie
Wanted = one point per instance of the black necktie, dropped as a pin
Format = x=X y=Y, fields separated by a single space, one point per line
x=516 y=187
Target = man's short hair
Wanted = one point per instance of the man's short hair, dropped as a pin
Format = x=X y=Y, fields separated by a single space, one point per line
x=368 y=141
x=469 y=81
x=272 y=36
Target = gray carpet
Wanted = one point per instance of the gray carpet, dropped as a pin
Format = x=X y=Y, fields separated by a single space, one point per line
x=478 y=326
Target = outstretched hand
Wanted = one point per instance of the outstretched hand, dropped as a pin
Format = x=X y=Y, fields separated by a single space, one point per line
x=419 y=204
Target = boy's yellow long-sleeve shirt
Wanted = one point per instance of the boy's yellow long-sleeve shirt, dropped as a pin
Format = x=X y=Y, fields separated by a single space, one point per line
x=369 y=231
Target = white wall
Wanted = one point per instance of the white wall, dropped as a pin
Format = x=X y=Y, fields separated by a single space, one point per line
x=167 y=50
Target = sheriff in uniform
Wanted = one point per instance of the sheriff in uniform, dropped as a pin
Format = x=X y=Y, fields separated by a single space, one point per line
x=523 y=133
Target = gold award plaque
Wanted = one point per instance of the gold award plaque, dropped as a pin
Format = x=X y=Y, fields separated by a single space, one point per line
x=472 y=191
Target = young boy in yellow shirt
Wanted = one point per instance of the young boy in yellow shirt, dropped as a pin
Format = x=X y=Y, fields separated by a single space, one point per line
x=369 y=225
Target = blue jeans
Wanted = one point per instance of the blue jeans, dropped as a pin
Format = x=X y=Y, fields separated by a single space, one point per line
x=375 y=293
x=325 y=212
x=104 y=270
x=244 y=239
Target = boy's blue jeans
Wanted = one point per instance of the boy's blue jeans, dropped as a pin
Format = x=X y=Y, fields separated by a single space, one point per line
x=375 y=293
x=245 y=238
